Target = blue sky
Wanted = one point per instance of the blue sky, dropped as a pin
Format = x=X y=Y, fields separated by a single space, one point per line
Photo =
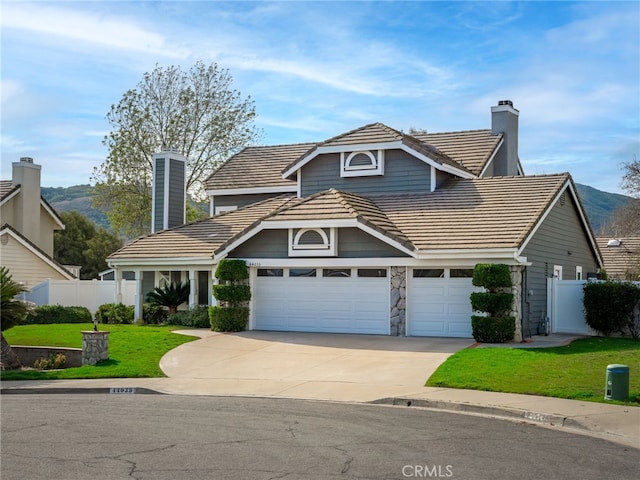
x=317 y=69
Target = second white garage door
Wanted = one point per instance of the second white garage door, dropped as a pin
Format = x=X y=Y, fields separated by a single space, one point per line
x=438 y=303
x=321 y=300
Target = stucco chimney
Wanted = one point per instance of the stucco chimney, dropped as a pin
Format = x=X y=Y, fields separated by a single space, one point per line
x=26 y=214
x=504 y=119
x=169 y=191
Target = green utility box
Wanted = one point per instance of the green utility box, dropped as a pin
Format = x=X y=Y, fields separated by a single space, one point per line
x=617 y=387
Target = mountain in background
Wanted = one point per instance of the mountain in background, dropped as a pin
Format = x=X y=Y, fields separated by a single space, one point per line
x=599 y=205
x=78 y=198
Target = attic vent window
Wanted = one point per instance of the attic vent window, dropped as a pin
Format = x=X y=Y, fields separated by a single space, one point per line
x=312 y=242
x=361 y=163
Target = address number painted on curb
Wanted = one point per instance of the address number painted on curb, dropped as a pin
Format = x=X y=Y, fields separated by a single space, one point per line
x=122 y=390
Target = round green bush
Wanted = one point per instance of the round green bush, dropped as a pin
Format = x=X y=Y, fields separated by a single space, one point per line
x=232 y=270
x=228 y=319
x=493 y=329
x=492 y=303
x=115 y=313
x=232 y=293
x=491 y=276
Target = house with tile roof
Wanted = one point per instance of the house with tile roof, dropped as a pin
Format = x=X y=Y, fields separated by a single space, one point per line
x=376 y=231
x=621 y=257
x=28 y=225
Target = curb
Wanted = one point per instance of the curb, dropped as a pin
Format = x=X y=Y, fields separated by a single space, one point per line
x=505 y=412
x=67 y=391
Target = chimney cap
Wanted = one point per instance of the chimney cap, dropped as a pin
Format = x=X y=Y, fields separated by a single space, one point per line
x=26 y=159
x=506 y=102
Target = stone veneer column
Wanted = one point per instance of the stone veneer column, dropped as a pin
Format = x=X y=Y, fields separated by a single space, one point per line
x=398 y=303
x=516 y=289
x=95 y=347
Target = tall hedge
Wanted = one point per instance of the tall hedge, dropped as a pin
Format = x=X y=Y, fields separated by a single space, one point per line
x=496 y=326
x=609 y=307
x=232 y=313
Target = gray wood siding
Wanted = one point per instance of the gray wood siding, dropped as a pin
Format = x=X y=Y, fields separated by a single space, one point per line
x=158 y=185
x=402 y=173
x=241 y=200
x=560 y=233
x=176 y=193
x=352 y=243
x=266 y=244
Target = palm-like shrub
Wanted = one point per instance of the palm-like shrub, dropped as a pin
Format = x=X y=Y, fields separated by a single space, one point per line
x=12 y=312
x=171 y=296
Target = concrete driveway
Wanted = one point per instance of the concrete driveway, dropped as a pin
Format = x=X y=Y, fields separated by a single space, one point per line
x=307 y=365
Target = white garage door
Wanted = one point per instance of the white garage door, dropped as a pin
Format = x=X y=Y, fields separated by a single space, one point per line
x=322 y=300
x=438 y=303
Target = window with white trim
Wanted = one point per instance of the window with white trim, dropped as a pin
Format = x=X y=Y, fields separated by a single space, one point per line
x=578 y=272
x=557 y=272
x=361 y=163
x=229 y=208
x=312 y=242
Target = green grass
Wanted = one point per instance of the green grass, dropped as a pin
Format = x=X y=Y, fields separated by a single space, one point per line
x=134 y=351
x=576 y=371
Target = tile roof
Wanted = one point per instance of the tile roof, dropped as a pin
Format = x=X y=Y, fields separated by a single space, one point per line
x=472 y=148
x=619 y=261
x=263 y=166
x=7 y=187
x=337 y=205
x=198 y=239
x=495 y=212
x=257 y=167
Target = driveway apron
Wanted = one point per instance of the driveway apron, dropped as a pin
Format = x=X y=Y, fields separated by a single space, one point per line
x=308 y=365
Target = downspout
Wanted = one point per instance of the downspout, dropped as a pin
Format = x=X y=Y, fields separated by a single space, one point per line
x=526 y=308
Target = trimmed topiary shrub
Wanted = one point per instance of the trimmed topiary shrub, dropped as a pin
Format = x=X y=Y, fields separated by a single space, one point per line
x=232 y=270
x=232 y=293
x=496 y=326
x=115 y=313
x=47 y=314
x=492 y=303
x=228 y=319
x=492 y=276
x=232 y=312
x=609 y=307
x=493 y=329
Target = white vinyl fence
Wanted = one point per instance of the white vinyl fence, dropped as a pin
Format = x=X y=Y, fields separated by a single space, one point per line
x=565 y=306
x=83 y=293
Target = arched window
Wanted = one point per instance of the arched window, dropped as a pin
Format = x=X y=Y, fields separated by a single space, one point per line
x=312 y=242
x=362 y=163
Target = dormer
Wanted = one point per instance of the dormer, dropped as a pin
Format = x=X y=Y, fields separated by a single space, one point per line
x=373 y=159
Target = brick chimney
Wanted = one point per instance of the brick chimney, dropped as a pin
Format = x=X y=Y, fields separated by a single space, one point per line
x=26 y=213
x=168 y=191
x=504 y=119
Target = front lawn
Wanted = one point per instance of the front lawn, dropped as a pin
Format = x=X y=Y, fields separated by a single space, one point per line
x=134 y=351
x=576 y=371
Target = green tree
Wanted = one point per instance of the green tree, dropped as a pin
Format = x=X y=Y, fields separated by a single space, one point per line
x=171 y=296
x=196 y=113
x=81 y=243
x=12 y=312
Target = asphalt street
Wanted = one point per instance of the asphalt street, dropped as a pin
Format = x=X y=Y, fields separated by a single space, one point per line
x=175 y=437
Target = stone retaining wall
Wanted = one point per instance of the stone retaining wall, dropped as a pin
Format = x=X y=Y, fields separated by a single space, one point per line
x=29 y=355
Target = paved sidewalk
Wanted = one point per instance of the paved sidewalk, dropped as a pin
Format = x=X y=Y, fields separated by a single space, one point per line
x=348 y=368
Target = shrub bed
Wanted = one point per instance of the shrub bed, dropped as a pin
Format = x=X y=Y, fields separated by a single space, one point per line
x=197 y=317
x=48 y=314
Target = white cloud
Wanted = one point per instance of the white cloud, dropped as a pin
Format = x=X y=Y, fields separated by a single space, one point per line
x=82 y=27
